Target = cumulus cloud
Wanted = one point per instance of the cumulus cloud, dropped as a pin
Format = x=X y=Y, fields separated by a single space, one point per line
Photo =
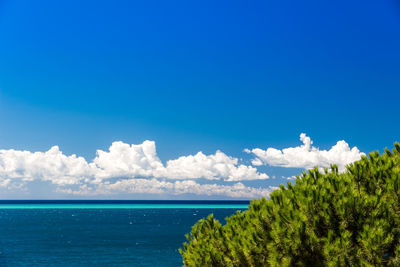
x=51 y=165
x=130 y=161
x=124 y=160
x=211 y=167
x=136 y=167
x=306 y=156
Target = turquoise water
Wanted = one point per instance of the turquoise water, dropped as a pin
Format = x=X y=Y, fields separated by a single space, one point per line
x=123 y=206
x=101 y=233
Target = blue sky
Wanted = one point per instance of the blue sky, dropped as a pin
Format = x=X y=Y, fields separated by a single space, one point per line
x=198 y=76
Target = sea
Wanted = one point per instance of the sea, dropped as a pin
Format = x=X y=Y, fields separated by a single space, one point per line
x=101 y=233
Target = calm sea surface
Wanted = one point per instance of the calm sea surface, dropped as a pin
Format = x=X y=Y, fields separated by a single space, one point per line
x=102 y=233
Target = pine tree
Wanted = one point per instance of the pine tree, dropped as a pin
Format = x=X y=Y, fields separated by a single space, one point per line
x=326 y=218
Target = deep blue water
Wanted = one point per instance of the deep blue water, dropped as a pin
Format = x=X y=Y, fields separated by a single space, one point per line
x=102 y=237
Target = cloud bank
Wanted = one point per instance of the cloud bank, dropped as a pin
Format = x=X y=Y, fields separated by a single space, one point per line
x=124 y=160
x=128 y=168
x=137 y=169
x=306 y=156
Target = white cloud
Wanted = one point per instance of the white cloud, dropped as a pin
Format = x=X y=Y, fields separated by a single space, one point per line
x=51 y=165
x=211 y=167
x=121 y=161
x=138 y=161
x=124 y=160
x=135 y=166
x=306 y=156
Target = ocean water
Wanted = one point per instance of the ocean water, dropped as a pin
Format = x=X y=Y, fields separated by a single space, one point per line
x=101 y=233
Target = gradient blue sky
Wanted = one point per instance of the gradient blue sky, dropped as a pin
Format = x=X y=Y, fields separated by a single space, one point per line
x=199 y=75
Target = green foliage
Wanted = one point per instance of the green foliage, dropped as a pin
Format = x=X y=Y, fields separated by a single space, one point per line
x=326 y=219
